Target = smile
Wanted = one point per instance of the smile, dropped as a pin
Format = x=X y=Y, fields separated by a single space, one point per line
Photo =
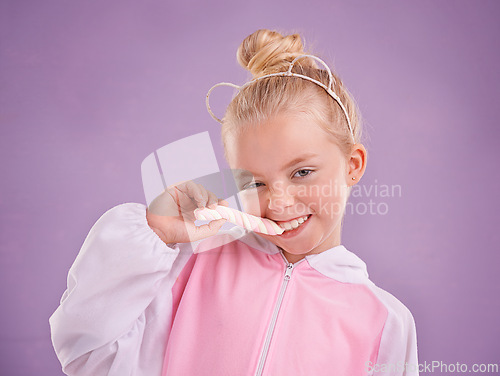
x=294 y=223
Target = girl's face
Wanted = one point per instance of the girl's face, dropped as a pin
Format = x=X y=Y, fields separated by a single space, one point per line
x=287 y=169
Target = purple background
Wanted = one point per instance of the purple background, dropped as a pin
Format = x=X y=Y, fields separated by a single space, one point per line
x=88 y=89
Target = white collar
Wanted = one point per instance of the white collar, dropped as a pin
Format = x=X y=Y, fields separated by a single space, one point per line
x=340 y=264
x=337 y=262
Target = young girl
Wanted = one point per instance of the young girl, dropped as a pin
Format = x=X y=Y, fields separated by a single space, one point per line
x=139 y=301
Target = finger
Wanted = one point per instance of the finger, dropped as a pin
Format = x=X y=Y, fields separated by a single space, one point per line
x=194 y=191
x=223 y=202
x=212 y=200
x=204 y=193
x=163 y=205
x=174 y=193
x=179 y=195
x=204 y=231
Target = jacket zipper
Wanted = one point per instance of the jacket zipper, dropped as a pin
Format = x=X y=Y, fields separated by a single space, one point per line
x=270 y=329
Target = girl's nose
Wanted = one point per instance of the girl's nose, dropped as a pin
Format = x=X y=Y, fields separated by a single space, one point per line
x=280 y=196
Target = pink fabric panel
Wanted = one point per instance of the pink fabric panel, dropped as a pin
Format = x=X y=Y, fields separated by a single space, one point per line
x=223 y=313
x=325 y=327
x=223 y=302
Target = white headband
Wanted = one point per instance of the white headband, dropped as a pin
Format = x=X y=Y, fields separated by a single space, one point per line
x=289 y=73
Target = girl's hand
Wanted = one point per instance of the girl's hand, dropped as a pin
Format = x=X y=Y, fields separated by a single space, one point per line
x=171 y=215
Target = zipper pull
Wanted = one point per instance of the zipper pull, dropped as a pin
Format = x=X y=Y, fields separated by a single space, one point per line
x=288 y=271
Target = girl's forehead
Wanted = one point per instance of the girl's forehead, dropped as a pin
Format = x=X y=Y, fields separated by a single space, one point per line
x=282 y=135
x=276 y=145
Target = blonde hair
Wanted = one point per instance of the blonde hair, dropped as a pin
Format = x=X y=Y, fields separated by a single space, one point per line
x=266 y=51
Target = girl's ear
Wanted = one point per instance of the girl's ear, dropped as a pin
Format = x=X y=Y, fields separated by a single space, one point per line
x=356 y=164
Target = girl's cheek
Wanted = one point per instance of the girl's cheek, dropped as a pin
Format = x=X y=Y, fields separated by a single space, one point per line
x=322 y=200
x=251 y=202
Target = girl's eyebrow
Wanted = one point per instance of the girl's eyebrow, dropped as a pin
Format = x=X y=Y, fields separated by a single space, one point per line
x=299 y=159
x=240 y=173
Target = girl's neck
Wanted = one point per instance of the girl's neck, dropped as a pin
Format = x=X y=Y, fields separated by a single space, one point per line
x=294 y=258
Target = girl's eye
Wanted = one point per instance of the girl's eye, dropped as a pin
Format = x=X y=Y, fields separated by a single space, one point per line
x=304 y=172
x=251 y=185
x=301 y=174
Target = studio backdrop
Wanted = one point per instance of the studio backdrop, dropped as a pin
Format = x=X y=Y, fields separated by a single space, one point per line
x=90 y=89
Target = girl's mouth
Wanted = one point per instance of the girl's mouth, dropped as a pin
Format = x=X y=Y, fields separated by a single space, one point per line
x=294 y=227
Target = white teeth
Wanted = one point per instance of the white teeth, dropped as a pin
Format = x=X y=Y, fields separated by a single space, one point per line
x=294 y=223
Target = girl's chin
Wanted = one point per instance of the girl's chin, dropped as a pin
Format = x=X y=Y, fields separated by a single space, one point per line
x=292 y=247
x=294 y=244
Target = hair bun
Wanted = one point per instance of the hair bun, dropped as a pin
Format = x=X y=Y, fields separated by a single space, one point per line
x=266 y=51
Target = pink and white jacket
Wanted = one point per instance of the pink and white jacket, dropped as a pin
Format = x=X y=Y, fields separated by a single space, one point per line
x=135 y=306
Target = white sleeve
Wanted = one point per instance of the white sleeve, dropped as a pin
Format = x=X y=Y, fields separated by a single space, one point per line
x=114 y=316
x=397 y=354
